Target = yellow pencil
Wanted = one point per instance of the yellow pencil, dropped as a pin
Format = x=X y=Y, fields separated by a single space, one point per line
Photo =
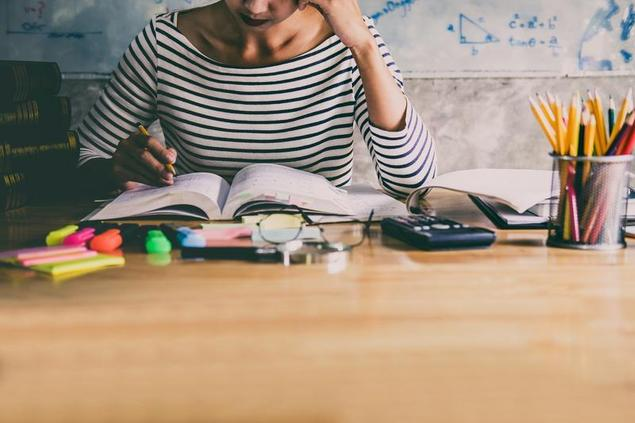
x=552 y=103
x=573 y=129
x=168 y=166
x=621 y=118
x=560 y=129
x=596 y=139
x=601 y=123
x=546 y=110
x=589 y=139
x=546 y=127
x=589 y=136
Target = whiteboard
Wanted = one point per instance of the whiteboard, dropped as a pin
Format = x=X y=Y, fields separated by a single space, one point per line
x=83 y=36
x=502 y=37
x=429 y=38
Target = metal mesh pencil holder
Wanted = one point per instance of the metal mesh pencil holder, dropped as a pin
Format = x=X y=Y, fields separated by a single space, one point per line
x=590 y=213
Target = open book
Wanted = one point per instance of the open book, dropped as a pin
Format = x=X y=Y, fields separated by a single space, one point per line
x=510 y=198
x=258 y=188
x=519 y=189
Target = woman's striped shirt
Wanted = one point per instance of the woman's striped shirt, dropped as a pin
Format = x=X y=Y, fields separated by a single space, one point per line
x=221 y=118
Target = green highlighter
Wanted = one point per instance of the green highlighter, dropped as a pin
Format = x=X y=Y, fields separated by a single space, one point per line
x=157 y=243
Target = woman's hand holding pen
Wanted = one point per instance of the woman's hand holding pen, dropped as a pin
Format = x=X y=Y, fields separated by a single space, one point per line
x=142 y=158
x=345 y=19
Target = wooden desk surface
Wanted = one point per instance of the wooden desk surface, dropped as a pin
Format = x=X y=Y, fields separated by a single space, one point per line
x=515 y=333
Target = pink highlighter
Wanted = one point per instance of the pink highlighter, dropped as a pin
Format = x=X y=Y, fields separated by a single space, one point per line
x=80 y=237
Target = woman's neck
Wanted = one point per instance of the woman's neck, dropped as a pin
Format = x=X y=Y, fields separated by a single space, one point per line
x=222 y=37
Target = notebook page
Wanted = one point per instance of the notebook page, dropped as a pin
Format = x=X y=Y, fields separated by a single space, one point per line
x=203 y=190
x=518 y=188
x=285 y=185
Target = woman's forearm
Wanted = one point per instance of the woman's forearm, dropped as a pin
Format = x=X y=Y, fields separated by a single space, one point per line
x=385 y=101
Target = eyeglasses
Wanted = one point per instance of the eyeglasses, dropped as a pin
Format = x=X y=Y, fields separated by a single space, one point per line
x=348 y=236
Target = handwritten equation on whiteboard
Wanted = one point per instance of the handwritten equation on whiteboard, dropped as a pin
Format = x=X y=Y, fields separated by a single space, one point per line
x=38 y=17
x=524 y=36
x=64 y=19
x=84 y=36
x=529 y=33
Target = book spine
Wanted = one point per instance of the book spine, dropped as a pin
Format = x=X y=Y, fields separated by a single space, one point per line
x=20 y=81
x=46 y=114
x=40 y=158
x=13 y=191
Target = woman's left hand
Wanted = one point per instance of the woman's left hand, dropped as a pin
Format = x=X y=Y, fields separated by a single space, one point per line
x=345 y=19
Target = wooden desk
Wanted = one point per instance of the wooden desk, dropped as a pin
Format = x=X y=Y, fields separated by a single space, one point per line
x=514 y=333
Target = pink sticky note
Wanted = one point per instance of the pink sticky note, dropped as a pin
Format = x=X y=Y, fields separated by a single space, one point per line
x=38 y=252
x=225 y=234
x=58 y=258
x=51 y=251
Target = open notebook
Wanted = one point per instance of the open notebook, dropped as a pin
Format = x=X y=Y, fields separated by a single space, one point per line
x=519 y=189
x=510 y=198
x=258 y=188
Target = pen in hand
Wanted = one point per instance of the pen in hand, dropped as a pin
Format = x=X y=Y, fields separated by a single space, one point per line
x=168 y=166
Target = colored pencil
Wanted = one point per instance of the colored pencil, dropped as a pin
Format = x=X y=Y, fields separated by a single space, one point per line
x=560 y=129
x=546 y=127
x=573 y=127
x=628 y=144
x=168 y=166
x=546 y=110
x=621 y=118
x=622 y=137
x=611 y=116
x=601 y=122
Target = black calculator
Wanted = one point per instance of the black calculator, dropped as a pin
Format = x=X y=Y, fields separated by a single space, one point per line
x=434 y=233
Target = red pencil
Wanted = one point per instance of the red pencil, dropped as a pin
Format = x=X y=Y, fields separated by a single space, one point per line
x=622 y=135
x=573 y=209
x=628 y=144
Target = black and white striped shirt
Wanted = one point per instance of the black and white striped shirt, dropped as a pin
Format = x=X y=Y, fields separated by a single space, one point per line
x=220 y=118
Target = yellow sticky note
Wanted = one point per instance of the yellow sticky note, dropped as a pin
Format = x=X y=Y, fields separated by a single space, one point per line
x=97 y=262
x=276 y=221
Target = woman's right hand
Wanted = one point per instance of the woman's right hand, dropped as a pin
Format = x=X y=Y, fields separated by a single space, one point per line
x=141 y=158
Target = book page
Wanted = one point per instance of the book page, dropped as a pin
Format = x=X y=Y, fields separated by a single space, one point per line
x=518 y=188
x=281 y=184
x=205 y=191
x=364 y=198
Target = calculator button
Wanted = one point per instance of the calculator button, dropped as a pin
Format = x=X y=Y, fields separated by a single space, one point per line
x=440 y=226
x=426 y=228
x=418 y=228
x=457 y=226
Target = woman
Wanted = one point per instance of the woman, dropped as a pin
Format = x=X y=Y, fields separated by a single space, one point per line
x=252 y=81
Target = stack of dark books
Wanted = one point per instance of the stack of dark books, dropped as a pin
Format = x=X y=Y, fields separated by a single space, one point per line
x=38 y=152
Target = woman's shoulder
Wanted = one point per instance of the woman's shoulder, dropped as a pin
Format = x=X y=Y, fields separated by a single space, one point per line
x=177 y=17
